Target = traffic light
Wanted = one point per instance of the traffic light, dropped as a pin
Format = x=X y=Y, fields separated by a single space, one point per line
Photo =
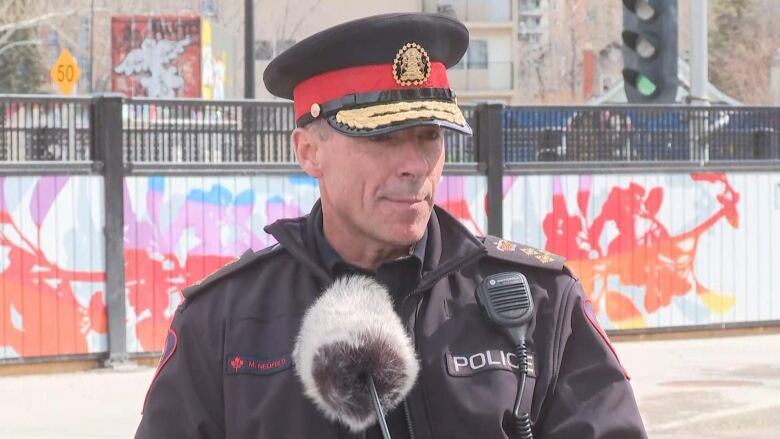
x=650 y=51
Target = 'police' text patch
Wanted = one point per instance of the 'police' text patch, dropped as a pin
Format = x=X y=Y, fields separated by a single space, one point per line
x=463 y=365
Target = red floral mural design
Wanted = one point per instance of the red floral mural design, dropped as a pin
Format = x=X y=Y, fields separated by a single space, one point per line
x=41 y=315
x=643 y=254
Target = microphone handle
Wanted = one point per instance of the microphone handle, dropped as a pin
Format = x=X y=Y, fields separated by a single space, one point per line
x=380 y=414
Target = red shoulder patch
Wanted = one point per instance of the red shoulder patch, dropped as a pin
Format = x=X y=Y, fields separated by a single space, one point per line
x=171 y=340
x=587 y=309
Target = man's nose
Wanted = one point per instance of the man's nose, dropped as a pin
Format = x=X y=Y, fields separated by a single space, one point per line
x=414 y=162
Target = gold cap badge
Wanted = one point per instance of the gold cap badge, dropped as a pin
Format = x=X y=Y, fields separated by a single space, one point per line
x=412 y=65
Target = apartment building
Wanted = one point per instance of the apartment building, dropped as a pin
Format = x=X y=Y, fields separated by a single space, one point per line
x=488 y=71
x=281 y=23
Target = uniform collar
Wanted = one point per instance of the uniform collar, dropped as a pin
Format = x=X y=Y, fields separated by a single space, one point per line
x=441 y=256
x=333 y=262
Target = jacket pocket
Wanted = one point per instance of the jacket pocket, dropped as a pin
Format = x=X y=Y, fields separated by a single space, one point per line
x=263 y=396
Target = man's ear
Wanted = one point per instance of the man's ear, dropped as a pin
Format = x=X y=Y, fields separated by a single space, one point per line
x=307 y=148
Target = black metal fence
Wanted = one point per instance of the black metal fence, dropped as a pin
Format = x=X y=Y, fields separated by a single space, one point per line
x=181 y=131
x=36 y=128
x=42 y=128
x=461 y=148
x=227 y=132
x=626 y=133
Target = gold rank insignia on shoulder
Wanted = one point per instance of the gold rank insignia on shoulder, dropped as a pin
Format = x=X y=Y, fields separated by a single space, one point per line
x=412 y=65
x=507 y=250
x=542 y=256
x=506 y=246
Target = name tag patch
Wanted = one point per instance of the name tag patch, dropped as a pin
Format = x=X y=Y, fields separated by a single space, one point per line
x=464 y=365
x=238 y=364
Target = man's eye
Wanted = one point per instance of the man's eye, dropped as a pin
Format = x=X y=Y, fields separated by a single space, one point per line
x=431 y=135
x=379 y=138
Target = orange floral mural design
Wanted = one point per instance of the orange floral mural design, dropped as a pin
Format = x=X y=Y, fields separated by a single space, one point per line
x=643 y=254
x=41 y=314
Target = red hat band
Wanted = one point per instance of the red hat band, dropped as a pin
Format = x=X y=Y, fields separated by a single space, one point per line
x=335 y=84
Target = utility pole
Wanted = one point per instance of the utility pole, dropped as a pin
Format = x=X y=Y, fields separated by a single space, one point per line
x=247 y=150
x=699 y=131
x=699 y=52
x=91 y=44
x=249 y=49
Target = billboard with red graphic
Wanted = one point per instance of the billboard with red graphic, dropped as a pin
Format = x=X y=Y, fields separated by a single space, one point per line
x=156 y=56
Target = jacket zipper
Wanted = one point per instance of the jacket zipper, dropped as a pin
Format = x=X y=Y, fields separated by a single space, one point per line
x=412 y=335
x=408 y=416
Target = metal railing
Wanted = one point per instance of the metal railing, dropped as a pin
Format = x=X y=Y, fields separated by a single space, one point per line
x=39 y=128
x=47 y=129
x=646 y=134
x=194 y=131
x=460 y=147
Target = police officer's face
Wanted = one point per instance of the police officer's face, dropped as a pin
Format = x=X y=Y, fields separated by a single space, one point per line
x=380 y=189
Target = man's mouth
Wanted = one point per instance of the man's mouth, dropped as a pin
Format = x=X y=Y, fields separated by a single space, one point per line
x=410 y=200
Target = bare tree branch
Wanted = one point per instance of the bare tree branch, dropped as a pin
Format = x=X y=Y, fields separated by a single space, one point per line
x=300 y=22
x=8 y=30
x=70 y=41
x=19 y=43
x=5 y=7
x=6 y=36
x=34 y=21
x=281 y=33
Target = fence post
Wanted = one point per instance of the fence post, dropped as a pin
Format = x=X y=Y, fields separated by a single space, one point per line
x=249 y=130
x=107 y=126
x=490 y=155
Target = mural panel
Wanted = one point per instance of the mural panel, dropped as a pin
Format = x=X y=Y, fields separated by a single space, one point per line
x=180 y=229
x=652 y=250
x=658 y=250
x=52 y=267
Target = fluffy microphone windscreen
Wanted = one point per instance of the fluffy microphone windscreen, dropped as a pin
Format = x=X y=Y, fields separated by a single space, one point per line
x=350 y=331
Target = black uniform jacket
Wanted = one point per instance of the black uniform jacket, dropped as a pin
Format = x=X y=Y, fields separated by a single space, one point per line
x=226 y=370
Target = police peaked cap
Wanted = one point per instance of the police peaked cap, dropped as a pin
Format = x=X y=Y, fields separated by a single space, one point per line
x=374 y=75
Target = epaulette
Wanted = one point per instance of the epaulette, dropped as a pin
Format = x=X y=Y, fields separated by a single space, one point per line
x=522 y=254
x=249 y=257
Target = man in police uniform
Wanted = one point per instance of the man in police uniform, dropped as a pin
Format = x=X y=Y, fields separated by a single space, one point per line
x=371 y=103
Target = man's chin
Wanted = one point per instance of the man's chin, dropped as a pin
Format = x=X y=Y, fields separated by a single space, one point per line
x=404 y=227
x=407 y=234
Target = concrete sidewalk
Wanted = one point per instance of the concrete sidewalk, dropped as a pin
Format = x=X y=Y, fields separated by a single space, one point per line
x=708 y=388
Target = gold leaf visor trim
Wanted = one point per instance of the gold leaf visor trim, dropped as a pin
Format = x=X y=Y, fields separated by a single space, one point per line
x=376 y=116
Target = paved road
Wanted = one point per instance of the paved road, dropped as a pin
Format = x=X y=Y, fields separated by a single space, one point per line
x=711 y=388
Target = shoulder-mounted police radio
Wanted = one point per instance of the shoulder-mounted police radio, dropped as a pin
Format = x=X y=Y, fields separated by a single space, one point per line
x=506 y=300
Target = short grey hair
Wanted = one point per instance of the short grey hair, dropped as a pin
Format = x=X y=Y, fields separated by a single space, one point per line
x=318 y=127
x=321 y=127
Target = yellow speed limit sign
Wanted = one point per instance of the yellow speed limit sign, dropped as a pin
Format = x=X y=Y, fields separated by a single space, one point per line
x=65 y=73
